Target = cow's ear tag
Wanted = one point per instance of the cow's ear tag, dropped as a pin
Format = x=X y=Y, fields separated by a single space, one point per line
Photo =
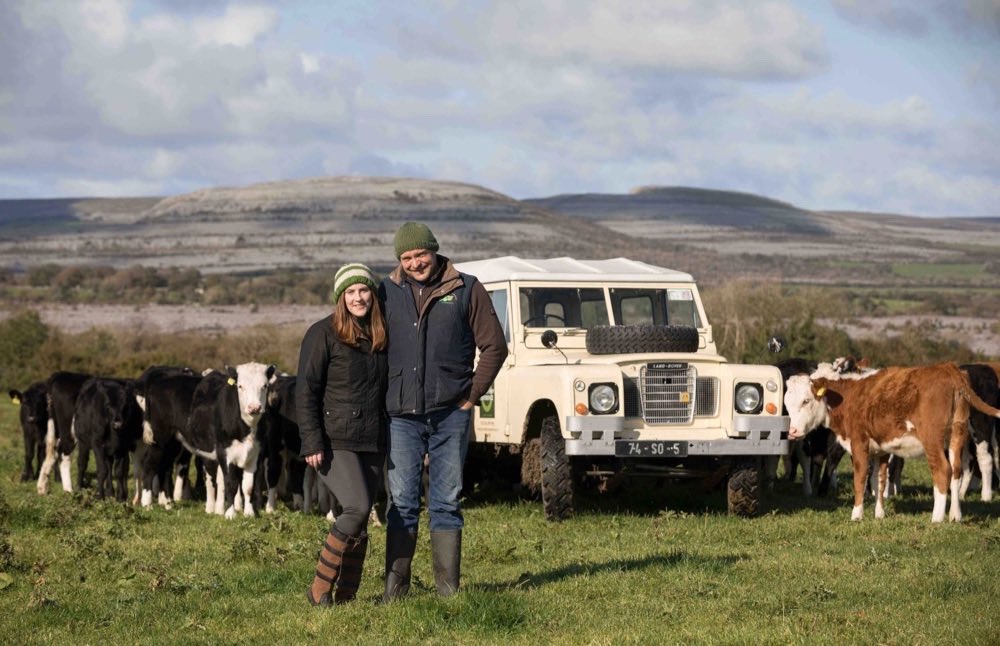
x=821 y=391
x=231 y=381
x=16 y=401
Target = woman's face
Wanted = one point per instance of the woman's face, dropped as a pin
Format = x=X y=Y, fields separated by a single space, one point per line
x=358 y=299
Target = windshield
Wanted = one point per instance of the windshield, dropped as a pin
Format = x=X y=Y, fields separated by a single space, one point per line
x=660 y=306
x=584 y=307
x=574 y=307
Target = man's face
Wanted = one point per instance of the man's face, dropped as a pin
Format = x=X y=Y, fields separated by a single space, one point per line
x=419 y=264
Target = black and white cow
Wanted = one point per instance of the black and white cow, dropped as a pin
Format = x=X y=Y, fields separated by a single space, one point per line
x=281 y=443
x=108 y=421
x=167 y=406
x=982 y=429
x=34 y=412
x=63 y=388
x=222 y=430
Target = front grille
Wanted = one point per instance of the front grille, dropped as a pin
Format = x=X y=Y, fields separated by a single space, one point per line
x=657 y=395
x=706 y=397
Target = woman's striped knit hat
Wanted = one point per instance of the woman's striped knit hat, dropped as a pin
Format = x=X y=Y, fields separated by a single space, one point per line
x=352 y=274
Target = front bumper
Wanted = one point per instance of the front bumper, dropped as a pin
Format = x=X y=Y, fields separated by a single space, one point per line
x=757 y=436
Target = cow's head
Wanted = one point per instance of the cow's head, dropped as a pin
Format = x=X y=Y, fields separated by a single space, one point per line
x=806 y=404
x=251 y=381
x=120 y=404
x=33 y=405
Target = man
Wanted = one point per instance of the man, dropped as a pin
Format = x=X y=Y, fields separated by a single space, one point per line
x=436 y=318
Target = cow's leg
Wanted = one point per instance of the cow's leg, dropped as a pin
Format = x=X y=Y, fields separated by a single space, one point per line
x=882 y=479
x=985 y=459
x=210 y=469
x=165 y=473
x=50 y=458
x=150 y=457
x=859 y=458
x=967 y=475
x=770 y=471
x=121 y=477
x=65 y=473
x=955 y=480
x=295 y=481
x=807 y=488
x=233 y=478
x=309 y=492
x=273 y=475
x=29 y=455
x=39 y=445
x=82 y=463
x=102 y=471
x=220 y=489
x=248 y=475
x=181 y=474
x=937 y=461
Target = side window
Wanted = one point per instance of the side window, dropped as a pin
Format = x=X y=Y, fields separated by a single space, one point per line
x=499 y=298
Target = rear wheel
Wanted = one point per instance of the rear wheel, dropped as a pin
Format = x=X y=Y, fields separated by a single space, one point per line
x=743 y=488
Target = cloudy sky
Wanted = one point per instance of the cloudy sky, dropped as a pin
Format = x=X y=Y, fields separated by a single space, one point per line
x=876 y=105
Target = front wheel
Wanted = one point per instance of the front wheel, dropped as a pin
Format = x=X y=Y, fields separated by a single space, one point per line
x=743 y=489
x=546 y=471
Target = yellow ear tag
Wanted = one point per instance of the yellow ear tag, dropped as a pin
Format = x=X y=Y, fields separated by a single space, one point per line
x=231 y=381
x=821 y=391
x=16 y=401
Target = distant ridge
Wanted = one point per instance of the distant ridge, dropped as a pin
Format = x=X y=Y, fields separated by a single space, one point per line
x=715 y=235
x=337 y=196
x=689 y=205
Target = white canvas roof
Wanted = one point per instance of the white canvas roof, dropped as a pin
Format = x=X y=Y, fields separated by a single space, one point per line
x=569 y=269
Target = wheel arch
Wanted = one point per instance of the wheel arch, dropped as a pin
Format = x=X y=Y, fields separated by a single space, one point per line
x=537 y=412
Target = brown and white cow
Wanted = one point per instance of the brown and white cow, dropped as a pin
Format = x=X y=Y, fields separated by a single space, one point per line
x=901 y=411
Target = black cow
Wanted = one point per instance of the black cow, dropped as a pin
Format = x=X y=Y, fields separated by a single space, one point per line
x=34 y=411
x=167 y=406
x=108 y=421
x=182 y=485
x=222 y=430
x=279 y=432
x=63 y=388
x=982 y=429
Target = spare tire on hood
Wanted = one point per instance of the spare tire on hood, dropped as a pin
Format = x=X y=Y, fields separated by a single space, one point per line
x=636 y=339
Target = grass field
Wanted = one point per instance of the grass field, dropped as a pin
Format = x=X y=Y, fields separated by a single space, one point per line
x=938 y=271
x=650 y=565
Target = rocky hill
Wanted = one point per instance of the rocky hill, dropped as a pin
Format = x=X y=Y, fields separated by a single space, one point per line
x=320 y=222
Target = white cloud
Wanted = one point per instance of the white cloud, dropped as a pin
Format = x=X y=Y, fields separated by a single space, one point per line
x=238 y=26
x=527 y=98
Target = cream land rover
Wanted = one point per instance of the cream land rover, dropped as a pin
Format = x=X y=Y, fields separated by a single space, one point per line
x=613 y=372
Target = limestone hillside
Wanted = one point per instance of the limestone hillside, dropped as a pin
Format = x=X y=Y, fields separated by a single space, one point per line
x=302 y=224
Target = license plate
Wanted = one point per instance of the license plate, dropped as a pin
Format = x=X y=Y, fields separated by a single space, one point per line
x=650 y=449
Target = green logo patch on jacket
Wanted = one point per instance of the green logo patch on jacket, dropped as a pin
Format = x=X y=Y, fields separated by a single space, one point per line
x=448 y=298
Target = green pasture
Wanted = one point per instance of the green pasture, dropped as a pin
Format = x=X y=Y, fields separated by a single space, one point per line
x=939 y=271
x=649 y=565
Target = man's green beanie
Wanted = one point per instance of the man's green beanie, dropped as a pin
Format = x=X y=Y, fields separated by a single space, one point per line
x=414 y=235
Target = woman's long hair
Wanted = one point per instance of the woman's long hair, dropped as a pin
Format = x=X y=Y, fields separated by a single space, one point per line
x=350 y=330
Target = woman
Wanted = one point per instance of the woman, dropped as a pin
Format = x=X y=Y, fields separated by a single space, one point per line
x=340 y=402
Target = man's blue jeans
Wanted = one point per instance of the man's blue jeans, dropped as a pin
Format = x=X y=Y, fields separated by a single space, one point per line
x=444 y=436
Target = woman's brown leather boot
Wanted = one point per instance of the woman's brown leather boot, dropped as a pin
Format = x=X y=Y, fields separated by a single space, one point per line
x=328 y=568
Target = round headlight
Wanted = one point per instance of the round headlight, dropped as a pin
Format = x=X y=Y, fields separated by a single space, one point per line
x=603 y=398
x=748 y=398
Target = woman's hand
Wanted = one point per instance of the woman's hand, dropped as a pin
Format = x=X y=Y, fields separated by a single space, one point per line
x=315 y=460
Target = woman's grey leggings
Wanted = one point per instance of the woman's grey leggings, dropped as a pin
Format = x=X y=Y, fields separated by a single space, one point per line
x=354 y=479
